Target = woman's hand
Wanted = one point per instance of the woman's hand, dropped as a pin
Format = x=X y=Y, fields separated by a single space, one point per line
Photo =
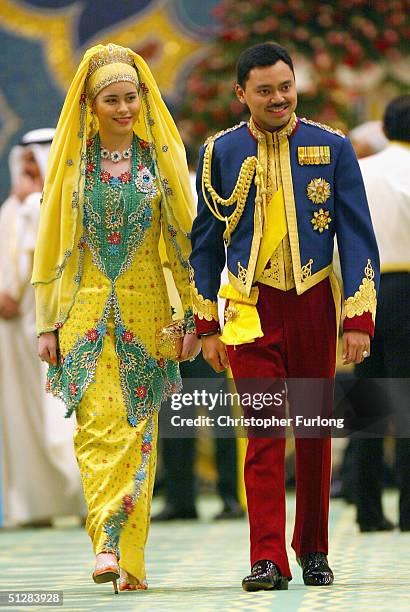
x=190 y=347
x=47 y=348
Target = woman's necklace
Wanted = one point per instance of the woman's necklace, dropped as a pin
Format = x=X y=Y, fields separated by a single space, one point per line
x=116 y=156
x=114 y=204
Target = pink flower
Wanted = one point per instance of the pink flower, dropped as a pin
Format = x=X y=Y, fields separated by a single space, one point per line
x=391 y=36
x=92 y=335
x=128 y=336
x=105 y=176
x=141 y=391
x=219 y=114
x=261 y=27
x=90 y=167
x=200 y=127
x=126 y=177
x=128 y=504
x=114 y=238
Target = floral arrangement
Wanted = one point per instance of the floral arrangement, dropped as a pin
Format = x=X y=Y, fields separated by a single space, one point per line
x=341 y=51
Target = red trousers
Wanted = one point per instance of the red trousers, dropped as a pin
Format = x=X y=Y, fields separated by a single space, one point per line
x=299 y=342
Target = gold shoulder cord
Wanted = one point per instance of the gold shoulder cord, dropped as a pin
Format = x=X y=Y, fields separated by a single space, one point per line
x=249 y=168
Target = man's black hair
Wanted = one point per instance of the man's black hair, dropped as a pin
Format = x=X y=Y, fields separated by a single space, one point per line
x=396 y=120
x=263 y=54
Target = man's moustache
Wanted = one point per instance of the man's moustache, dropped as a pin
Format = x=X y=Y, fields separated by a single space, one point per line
x=277 y=107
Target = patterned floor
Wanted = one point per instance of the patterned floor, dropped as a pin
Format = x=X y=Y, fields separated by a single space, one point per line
x=199 y=565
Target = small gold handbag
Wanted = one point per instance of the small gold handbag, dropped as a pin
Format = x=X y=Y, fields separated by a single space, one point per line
x=169 y=339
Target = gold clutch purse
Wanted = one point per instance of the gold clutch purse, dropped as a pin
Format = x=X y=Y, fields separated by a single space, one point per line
x=169 y=339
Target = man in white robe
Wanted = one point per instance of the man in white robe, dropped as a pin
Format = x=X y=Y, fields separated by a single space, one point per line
x=40 y=478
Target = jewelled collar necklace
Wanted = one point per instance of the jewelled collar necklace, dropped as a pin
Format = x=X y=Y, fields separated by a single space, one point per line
x=116 y=156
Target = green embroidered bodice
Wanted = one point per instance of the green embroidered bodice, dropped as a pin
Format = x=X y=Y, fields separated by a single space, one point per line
x=117 y=209
x=117 y=215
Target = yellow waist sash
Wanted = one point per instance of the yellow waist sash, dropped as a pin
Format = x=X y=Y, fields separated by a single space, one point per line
x=242 y=318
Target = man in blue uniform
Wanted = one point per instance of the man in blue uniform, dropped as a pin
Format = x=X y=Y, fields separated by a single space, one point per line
x=272 y=194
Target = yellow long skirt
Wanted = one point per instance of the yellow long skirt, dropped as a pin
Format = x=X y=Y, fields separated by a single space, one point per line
x=110 y=456
x=117 y=461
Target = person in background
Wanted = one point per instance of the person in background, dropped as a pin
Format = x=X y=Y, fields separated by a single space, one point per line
x=40 y=474
x=368 y=138
x=178 y=455
x=386 y=177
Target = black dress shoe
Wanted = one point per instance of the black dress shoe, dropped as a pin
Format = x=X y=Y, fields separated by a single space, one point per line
x=230 y=511
x=170 y=513
x=316 y=570
x=384 y=525
x=265 y=576
x=37 y=524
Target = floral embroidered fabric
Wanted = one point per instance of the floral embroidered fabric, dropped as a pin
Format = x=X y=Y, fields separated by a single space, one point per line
x=145 y=381
x=117 y=216
x=117 y=209
x=118 y=520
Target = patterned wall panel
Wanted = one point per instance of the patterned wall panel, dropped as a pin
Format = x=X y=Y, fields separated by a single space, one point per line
x=42 y=42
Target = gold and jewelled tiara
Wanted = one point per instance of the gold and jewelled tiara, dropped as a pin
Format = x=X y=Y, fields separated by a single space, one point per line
x=112 y=54
x=111 y=65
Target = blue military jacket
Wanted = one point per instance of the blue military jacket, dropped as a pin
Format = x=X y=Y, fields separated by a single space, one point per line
x=324 y=196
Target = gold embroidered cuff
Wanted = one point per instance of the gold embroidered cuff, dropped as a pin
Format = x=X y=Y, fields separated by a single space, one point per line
x=203 y=308
x=365 y=299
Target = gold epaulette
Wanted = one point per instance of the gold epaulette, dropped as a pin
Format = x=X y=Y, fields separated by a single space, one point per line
x=223 y=132
x=323 y=126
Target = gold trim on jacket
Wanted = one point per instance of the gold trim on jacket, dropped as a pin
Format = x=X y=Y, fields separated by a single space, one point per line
x=365 y=299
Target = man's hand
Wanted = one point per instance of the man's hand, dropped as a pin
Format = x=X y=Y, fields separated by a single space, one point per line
x=47 y=348
x=191 y=346
x=214 y=352
x=9 y=308
x=356 y=346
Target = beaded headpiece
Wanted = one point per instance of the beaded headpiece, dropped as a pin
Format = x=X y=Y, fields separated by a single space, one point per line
x=111 y=65
x=111 y=54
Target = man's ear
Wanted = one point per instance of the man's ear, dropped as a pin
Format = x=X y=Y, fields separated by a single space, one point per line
x=240 y=94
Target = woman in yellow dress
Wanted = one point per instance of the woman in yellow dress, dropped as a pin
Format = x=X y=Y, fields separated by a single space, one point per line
x=117 y=194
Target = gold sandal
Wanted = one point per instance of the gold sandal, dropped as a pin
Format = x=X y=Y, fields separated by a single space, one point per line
x=107 y=572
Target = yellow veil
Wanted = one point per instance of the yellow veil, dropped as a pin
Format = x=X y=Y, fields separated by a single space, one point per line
x=56 y=273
